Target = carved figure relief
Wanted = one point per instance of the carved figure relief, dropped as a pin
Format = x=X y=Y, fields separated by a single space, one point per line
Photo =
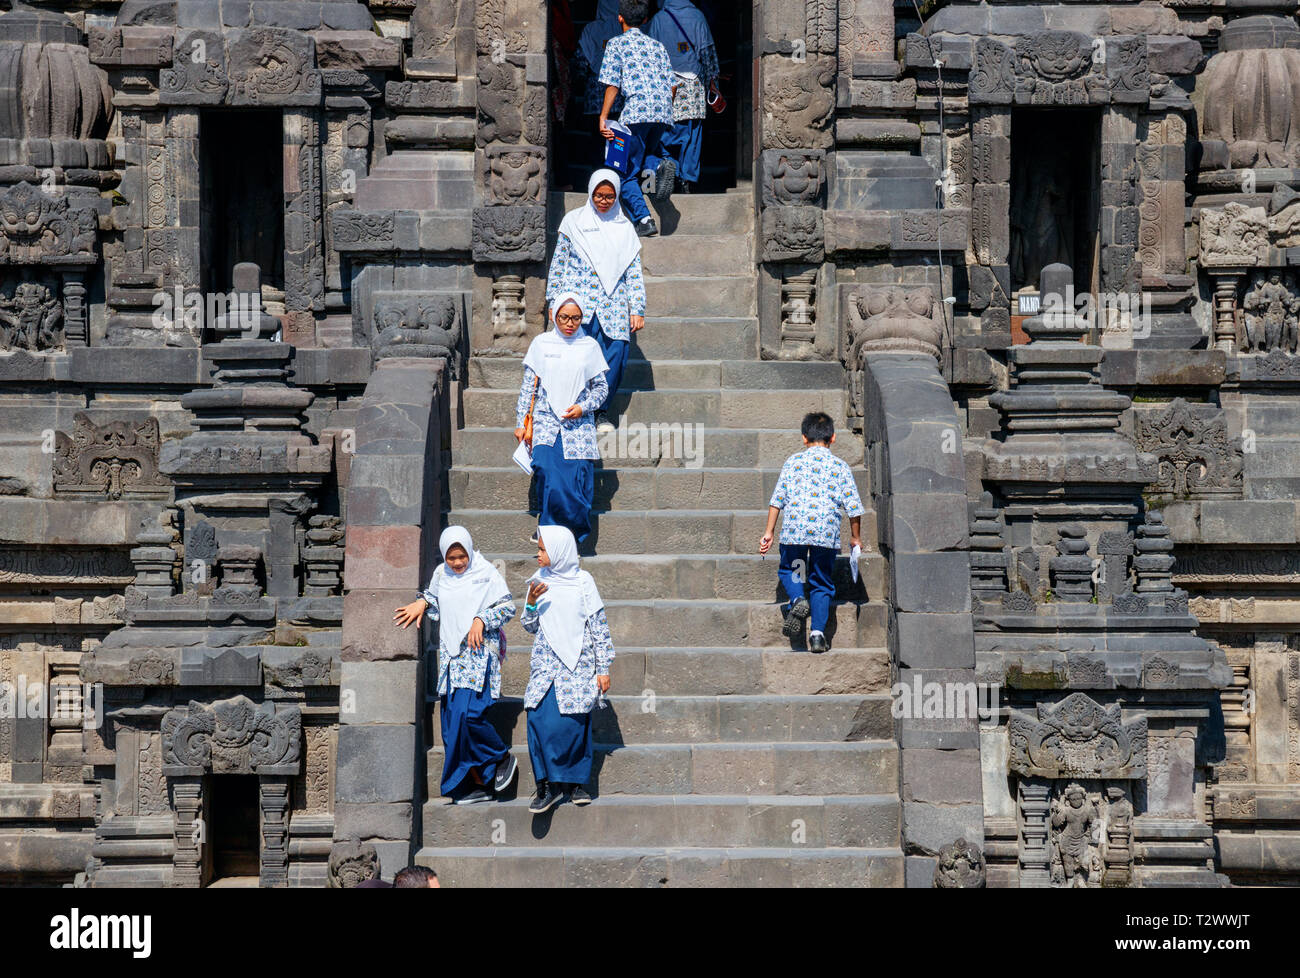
x=1077 y=737
x=798 y=102
x=31 y=318
x=1272 y=311
x=232 y=736
x=1073 y=838
x=516 y=174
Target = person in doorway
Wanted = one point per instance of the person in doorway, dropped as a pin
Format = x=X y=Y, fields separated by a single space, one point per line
x=637 y=67
x=471 y=601
x=564 y=382
x=682 y=30
x=598 y=256
x=816 y=490
x=589 y=56
x=569 y=670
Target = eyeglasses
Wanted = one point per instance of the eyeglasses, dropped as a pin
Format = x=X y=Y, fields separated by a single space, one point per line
x=604 y=198
x=567 y=320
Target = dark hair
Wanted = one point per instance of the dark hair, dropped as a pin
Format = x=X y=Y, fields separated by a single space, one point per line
x=818 y=427
x=414 y=878
x=633 y=12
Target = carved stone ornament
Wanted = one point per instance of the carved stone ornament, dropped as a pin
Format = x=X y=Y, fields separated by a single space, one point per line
x=960 y=867
x=256 y=66
x=1077 y=738
x=516 y=174
x=793 y=176
x=233 y=736
x=1233 y=235
x=31 y=318
x=38 y=229
x=352 y=863
x=798 y=102
x=417 y=326
x=113 y=459
x=1060 y=68
x=509 y=234
x=893 y=318
x=1196 y=455
x=793 y=234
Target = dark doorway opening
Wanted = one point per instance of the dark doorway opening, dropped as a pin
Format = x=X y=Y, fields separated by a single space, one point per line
x=1055 y=194
x=728 y=151
x=241 y=196
x=235 y=827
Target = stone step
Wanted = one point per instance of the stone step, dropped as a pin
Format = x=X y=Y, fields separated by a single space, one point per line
x=645 y=717
x=867 y=767
x=722 y=821
x=631 y=532
x=632 y=488
x=655 y=621
x=694 y=337
x=674 y=867
x=704 y=296
x=699 y=254
x=724 y=448
x=710 y=408
x=735 y=577
x=694 y=671
x=506 y=373
x=741 y=672
x=684 y=214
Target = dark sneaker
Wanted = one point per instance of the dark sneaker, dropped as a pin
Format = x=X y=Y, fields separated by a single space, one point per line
x=506 y=772
x=685 y=187
x=646 y=228
x=817 y=642
x=475 y=797
x=579 y=795
x=799 y=612
x=603 y=425
x=544 y=800
x=665 y=177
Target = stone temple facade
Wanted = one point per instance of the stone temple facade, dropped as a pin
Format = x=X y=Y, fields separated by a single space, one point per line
x=267 y=270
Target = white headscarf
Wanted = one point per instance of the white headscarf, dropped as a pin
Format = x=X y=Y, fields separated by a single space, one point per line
x=607 y=241
x=571 y=596
x=598 y=32
x=564 y=363
x=465 y=596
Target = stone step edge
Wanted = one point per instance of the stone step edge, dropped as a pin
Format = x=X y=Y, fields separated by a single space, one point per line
x=658 y=801
x=854 y=746
x=731 y=852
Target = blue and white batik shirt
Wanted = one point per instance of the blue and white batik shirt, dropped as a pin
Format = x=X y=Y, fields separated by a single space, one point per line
x=575 y=690
x=468 y=668
x=816 y=491
x=571 y=272
x=638 y=66
x=578 y=436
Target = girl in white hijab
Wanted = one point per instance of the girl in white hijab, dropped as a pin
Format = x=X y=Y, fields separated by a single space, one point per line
x=572 y=653
x=564 y=381
x=471 y=601
x=598 y=257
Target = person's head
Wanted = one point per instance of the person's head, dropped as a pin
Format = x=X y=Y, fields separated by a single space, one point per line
x=818 y=428
x=416 y=877
x=604 y=196
x=557 y=549
x=633 y=13
x=457 y=548
x=568 y=318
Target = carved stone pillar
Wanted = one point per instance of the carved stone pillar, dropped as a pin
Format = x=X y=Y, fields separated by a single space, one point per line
x=1035 y=858
x=273 y=799
x=190 y=830
x=1225 y=307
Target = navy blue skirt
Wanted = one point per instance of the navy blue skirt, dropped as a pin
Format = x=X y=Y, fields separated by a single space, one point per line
x=565 y=487
x=469 y=740
x=559 y=744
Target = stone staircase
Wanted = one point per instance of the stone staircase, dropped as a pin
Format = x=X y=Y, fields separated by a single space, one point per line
x=727 y=755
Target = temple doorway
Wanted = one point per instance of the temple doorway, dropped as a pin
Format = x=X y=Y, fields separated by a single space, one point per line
x=235 y=831
x=728 y=152
x=1055 y=194
x=241 y=195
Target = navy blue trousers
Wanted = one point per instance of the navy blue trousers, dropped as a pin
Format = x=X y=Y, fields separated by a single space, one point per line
x=615 y=352
x=559 y=744
x=469 y=740
x=565 y=487
x=683 y=142
x=807 y=572
x=643 y=151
